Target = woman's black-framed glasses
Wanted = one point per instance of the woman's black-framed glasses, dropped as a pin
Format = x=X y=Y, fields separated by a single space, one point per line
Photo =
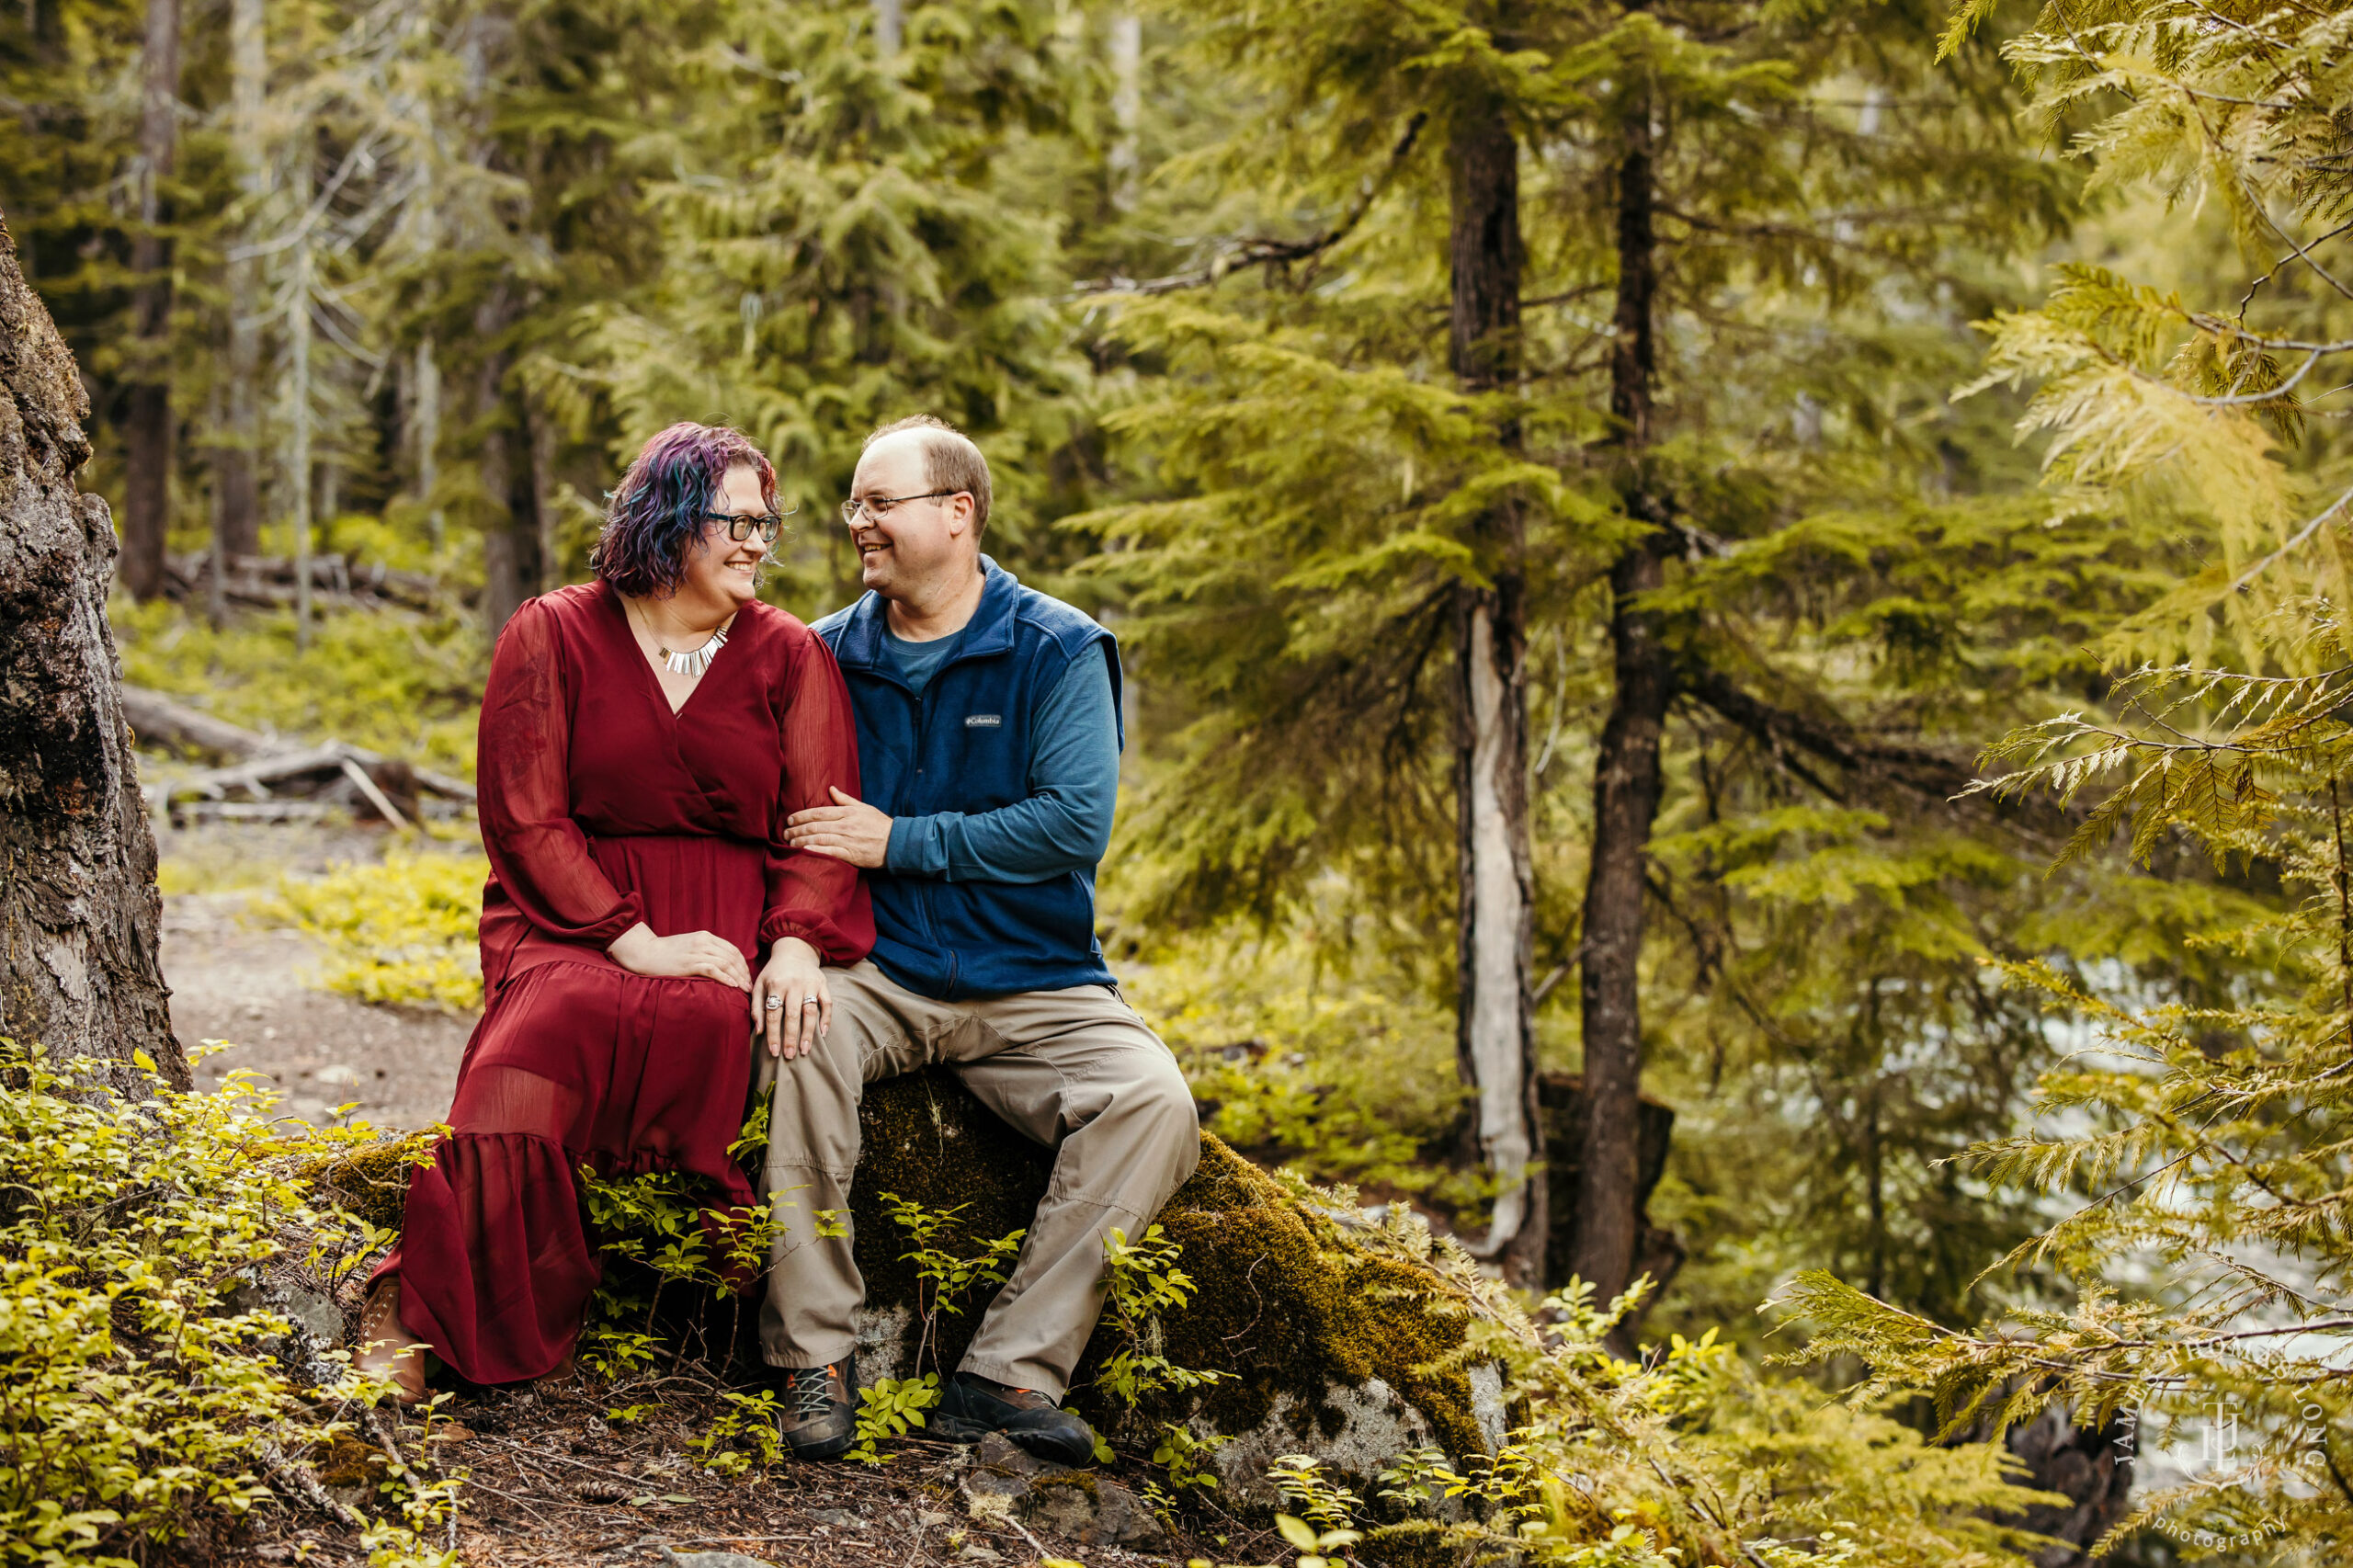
x=741 y=525
x=882 y=506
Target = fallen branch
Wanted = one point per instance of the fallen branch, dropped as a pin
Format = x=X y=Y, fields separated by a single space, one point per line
x=262 y=765
x=268 y=581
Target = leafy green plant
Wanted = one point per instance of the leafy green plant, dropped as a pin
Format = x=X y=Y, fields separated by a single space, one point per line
x=944 y=1277
x=1140 y=1280
x=892 y=1407
x=400 y=931
x=393 y=680
x=745 y=1421
x=1180 y=1453
x=1317 y=1547
x=140 y=1394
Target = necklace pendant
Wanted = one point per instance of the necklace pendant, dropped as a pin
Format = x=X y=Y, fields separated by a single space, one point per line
x=692 y=662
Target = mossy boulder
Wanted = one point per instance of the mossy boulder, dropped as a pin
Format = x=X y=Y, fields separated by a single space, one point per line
x=1338 y=1334
x=1337 y=1331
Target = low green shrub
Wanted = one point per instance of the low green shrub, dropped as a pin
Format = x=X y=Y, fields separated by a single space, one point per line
x=401 y=931
x=144 y=1396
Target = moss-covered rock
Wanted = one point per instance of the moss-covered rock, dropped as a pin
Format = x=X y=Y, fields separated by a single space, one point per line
x=1336 y=1334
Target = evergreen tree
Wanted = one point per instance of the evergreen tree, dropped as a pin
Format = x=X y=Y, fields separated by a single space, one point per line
x=2205 y=1279
x=1742 y=191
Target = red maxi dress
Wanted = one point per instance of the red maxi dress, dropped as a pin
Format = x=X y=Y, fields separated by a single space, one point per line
x=599 y=808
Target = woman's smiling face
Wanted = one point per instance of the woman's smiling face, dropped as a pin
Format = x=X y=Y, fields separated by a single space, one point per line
x=722 y=571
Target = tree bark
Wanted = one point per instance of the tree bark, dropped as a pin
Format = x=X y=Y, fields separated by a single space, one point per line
x=237 y=519
x=1495 y=1034
x=147 y=432
x=510 y=541
x=79 y=915
x=1627 y=783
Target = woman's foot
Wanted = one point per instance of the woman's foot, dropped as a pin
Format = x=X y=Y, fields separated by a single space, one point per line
x=565 y=1373
x=387 y=1350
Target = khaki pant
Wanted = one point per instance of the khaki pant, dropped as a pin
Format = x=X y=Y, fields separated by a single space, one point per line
x=1076 y=1070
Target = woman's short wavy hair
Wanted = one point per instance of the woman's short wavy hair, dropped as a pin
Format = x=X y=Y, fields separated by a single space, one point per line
x=654 y=515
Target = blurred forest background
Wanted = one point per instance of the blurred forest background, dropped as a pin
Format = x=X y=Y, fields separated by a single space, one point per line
x=1563 y=590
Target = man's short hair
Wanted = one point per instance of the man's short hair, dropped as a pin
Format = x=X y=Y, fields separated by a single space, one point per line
x=950 y=462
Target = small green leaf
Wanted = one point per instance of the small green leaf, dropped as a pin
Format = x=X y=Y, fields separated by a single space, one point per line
x=1296 y=1531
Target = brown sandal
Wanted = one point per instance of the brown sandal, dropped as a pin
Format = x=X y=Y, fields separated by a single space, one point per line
x=386 y=1349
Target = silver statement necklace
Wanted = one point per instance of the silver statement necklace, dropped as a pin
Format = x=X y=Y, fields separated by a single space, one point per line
x=693 y=660
x=688 y=662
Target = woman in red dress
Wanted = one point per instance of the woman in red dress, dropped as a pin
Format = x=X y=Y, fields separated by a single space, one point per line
x=644 y=738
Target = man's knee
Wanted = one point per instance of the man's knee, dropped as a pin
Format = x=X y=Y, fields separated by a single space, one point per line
x=1157 y=1103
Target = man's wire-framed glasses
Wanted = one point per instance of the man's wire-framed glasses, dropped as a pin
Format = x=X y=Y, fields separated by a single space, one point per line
x=882 y=506
x=742 y=525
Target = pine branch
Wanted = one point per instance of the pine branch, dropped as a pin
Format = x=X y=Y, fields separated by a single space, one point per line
x=1262 y=252
x=1914 y=768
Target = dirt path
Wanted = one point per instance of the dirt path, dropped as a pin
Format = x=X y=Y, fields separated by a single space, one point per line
x=238 y=979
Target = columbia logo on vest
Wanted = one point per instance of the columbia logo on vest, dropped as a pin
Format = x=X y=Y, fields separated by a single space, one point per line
x=982 y=721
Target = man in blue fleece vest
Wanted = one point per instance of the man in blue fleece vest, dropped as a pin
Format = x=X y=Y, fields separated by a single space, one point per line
x=989 y=739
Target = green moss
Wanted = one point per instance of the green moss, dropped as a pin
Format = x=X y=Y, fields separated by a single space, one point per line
x=1075 y=1481
x=350 y=1462
x=370 y=1181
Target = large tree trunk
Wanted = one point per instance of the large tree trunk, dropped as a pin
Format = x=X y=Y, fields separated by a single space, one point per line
x=78 y=910
x=147 y=433
x=511 y=567
x=238 y=516
x=1494 y=1036
x=1626 y=783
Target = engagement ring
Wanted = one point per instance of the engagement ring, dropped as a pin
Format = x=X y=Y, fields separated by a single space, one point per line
x=774 y=1003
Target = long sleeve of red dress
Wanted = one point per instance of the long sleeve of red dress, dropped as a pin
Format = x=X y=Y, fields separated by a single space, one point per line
x=537 y=850
x=812 y=896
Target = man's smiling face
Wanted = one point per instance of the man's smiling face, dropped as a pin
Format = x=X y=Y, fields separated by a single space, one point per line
x=914 y=542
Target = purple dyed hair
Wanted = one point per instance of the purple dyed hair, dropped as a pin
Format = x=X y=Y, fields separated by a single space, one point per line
x=655 y=514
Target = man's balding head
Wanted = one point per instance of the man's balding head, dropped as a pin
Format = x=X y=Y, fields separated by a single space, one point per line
x=950 y=461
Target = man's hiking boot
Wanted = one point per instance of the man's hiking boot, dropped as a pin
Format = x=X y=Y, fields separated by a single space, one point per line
x=970 y=1408
x=819 y=1420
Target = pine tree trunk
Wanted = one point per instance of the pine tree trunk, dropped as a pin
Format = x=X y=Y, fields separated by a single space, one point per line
x=237 y=519
x=147 y=433
x=1494 y=1036
x=1627 y=783
x=79 y=915
x=510 y=539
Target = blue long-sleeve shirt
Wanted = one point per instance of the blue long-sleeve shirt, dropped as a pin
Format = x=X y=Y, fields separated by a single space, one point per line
x=1073 y=777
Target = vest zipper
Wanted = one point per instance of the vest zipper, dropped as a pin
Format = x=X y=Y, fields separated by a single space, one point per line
x=923 y=892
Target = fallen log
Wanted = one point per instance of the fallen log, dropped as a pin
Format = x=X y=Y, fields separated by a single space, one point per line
x=262 y=766
x=268 y=581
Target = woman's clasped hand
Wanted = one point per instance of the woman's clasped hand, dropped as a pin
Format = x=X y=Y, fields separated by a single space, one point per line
x=690 y=955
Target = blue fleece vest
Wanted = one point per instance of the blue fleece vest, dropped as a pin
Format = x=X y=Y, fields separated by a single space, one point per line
x=963 y=745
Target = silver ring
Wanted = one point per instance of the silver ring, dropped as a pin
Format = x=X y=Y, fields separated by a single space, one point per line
x=811 y=1002
x=775 y=1004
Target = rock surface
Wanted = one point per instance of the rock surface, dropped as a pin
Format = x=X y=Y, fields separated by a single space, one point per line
x=1005 y=1481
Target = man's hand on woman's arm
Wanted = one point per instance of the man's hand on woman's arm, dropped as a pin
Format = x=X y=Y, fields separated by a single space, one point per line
x=690 y=955
x=848 y=830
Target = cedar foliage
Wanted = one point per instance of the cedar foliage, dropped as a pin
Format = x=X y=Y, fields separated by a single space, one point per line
x=2202 y=1288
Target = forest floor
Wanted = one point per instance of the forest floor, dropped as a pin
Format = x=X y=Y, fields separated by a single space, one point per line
x=550 y=1479
x=239 y=976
